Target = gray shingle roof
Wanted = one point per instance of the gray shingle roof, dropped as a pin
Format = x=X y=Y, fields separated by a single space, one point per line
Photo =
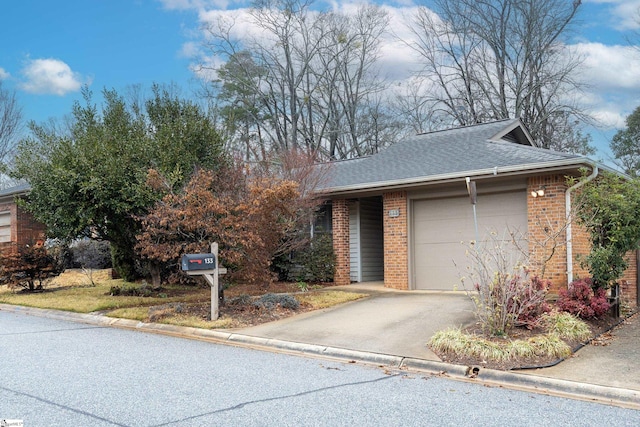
x=19 y=189
x=456 y=152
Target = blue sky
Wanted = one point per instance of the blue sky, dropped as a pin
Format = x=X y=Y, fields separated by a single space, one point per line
x=51 y=48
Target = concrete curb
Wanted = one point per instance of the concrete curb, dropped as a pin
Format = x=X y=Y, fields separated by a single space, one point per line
x=528 y=382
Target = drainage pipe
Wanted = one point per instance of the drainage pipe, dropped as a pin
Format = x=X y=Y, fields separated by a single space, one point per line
x=567 y=201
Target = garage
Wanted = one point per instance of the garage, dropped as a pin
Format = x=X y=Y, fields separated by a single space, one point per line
x=440 y=226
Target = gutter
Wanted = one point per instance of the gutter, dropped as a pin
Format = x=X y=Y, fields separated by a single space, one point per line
x=567 y=201
x=488 y=172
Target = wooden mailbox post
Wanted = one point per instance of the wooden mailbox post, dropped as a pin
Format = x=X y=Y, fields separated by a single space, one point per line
x=206 y=265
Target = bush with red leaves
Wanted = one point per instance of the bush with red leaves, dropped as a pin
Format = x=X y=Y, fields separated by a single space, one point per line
x=583 y=301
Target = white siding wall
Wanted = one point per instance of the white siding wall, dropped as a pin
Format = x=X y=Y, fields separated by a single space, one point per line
x=354 y=241
x=371 y=240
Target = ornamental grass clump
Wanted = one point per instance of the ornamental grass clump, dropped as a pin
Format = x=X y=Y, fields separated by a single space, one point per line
x=460 y=344
x=566 y=326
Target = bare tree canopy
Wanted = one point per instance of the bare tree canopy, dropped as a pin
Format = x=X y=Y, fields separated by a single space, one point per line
x=303 y=79
x=494 y=59
x=10 y=122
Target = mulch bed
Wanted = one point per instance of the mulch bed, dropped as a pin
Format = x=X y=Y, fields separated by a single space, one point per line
x=247 y=314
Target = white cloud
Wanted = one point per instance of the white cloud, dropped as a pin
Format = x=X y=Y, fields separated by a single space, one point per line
x=625 y=13
x=50 y=76
x=612 y=87
x=190 y=50
x=193 y=4
x=610 y=72
x=610 y=66
x=3 y=74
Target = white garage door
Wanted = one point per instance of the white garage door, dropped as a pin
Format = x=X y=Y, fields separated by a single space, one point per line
x=440 y=225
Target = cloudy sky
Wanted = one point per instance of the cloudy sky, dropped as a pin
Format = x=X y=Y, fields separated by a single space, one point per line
x=50 y=49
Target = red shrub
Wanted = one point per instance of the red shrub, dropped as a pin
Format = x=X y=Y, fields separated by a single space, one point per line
x=529 y=299
x=582 y=301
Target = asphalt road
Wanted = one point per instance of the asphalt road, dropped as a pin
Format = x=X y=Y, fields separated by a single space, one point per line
x=55 y=373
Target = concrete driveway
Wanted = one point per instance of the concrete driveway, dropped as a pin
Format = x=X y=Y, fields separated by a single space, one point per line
x=389 y=322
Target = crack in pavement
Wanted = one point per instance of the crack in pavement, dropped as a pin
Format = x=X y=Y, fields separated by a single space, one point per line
x=51 y=330
x=68 y=408
x=269 y=399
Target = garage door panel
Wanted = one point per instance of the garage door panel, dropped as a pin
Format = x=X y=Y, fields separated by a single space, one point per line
x=442 y=229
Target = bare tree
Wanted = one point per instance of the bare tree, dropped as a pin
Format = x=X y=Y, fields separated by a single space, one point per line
x=308 y=80
x=10 y=123
x=497 y=59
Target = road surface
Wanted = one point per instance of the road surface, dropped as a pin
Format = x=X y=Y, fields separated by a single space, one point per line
x=56 y=373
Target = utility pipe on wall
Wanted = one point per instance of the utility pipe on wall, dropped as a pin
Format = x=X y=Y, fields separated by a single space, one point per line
x=567 y=201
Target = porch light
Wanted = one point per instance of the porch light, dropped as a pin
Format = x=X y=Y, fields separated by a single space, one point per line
x=538 y=193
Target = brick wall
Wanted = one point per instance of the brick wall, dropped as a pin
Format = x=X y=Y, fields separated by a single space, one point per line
x=340 y=223
x=396 y=244
x=628 y=283
x=547 y=239
x=547 y=229
x=25 y=230
x=28 y=230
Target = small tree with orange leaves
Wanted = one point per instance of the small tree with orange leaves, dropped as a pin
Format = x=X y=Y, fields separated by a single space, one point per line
x=253 y=219
x=27 y=266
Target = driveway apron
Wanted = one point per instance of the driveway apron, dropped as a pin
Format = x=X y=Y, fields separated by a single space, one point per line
x=390 y=323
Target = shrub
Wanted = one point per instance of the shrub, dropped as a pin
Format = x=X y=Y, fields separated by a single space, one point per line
x=239 y=301
x=581 y=300
x=314 y=262
x=92 y=254
x=530 y=301
x=503 y=293
x=28 y=266
x=271 y=301
x=143 y=290
x=510 y=300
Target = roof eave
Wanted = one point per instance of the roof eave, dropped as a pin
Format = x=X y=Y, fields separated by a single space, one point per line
x=526 y=169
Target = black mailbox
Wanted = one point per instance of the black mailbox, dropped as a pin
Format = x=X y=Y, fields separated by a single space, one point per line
x=192 y=262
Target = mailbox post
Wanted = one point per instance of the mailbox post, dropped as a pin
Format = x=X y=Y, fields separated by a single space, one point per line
x=206 y=265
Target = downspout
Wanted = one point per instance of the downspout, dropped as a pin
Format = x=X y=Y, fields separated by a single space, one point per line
x=567 y=201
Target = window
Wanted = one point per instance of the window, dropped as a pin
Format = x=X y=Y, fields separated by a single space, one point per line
x=5 y=227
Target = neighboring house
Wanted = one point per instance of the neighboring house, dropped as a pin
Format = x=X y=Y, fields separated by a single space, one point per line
x=401 y=215
x=16 y=225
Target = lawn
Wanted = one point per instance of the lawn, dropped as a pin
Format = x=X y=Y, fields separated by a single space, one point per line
x=179 y=305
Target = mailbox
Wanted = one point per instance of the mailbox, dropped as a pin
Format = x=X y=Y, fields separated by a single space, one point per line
x=194 y=262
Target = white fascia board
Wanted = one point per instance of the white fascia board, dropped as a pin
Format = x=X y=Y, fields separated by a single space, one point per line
x=480 y=173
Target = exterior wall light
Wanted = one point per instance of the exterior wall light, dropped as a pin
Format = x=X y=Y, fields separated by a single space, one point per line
x=538 y=193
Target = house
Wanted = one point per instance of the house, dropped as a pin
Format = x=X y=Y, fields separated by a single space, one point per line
x=16 y=225
x=401 y=215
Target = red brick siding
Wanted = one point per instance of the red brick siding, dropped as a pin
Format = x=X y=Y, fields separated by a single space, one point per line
x=546 y=217
x=340 y=223
x=28 y=230
x=546 y=227
x=396 y=243
x=628 y=283
x=25 y=230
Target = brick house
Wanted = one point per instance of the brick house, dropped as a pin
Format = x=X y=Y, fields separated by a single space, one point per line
x=399 y=216
x=16 y=225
